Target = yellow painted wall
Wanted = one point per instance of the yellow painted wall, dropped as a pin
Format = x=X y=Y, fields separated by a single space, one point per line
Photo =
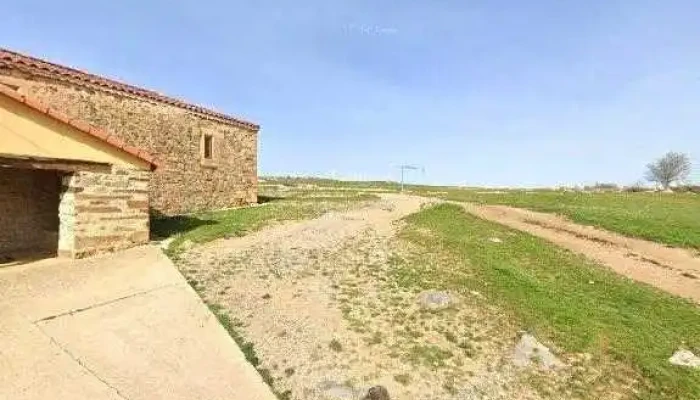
x=29 y=133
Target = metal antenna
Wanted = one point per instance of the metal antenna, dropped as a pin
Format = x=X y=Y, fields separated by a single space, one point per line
x=403 y=168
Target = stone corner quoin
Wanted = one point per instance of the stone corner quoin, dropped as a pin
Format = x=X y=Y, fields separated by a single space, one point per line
x=102 y=212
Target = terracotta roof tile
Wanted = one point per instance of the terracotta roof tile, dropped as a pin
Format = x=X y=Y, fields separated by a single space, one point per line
x=79 y=125
x=97 y=132
x=19 y=61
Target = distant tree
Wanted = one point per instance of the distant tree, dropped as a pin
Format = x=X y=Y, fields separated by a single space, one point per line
x=672 y=167
x=636 y=187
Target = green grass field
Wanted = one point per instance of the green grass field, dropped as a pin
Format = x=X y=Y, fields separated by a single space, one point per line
x=581 y=307
x=672 y=219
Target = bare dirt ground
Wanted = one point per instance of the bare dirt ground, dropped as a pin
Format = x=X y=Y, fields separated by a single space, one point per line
x=674 y=270
x=318 y=301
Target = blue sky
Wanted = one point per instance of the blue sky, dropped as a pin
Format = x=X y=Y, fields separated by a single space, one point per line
x=478 y=92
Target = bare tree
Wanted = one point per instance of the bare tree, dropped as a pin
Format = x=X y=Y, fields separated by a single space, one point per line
x=672 y=167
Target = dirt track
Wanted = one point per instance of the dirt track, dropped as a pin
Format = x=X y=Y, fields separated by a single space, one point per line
x=317 y=300
x=674 y=270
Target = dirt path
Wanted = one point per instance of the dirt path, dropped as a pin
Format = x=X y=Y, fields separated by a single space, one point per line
x=319 y=302
x=674 y=270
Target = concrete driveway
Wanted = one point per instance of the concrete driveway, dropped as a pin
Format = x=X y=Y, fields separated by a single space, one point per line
x=124 y=326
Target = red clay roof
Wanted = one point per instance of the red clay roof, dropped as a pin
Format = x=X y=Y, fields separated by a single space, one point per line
x=19 y=61
x=79 y=125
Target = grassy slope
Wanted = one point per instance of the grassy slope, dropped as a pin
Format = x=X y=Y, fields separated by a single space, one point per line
x=205 y=227
x=672 y=219
x=548 y=291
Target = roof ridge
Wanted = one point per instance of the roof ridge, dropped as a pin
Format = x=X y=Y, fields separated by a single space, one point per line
x=18 y=59
x=79 y=125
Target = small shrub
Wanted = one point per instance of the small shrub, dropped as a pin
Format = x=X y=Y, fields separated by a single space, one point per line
x=335 y=346
x=403 y=379
x=687 y=189
x=602 y=186
x=375 y=339
x=636 y=187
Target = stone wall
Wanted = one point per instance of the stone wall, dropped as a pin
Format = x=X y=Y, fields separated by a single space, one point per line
x=102 y=212
x=28 y=210
x=184 y=182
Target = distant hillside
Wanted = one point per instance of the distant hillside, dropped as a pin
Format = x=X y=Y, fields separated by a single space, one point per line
x=326 y=182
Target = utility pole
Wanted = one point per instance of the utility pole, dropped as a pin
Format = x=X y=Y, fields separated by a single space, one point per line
x=405 y=167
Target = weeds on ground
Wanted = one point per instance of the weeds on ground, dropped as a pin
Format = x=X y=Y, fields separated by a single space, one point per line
x=630 y=329
x=335 y=345
x=232 y=327
x=390 y=320
x=403 y=379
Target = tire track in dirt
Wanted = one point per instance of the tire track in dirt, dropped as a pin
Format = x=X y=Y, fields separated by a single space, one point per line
x=673 y=270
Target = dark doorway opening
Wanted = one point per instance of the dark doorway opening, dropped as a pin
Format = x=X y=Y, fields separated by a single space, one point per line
x=29 y=213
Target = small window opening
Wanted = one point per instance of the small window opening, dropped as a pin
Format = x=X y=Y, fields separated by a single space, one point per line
x=208 y=146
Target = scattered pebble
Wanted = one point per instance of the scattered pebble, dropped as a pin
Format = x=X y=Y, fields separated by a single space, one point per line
x=495 y=240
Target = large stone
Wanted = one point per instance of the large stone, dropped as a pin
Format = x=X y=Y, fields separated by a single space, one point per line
x=435 y=300
x=331 y=390
x=685 y=358
x=529 y=351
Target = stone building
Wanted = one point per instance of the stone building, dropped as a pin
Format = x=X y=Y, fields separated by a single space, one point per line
x=84 y=160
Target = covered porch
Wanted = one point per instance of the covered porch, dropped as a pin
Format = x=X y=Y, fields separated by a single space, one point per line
x=66 y=188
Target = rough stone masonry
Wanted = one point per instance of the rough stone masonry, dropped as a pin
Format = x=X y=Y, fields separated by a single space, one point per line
x=173 y=131
x=103 y=211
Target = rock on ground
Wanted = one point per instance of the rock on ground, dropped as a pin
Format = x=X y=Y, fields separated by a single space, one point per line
x=529 y=351
x=377 y=393
x=685 y=358
x=337 y=391
x=435 y=300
